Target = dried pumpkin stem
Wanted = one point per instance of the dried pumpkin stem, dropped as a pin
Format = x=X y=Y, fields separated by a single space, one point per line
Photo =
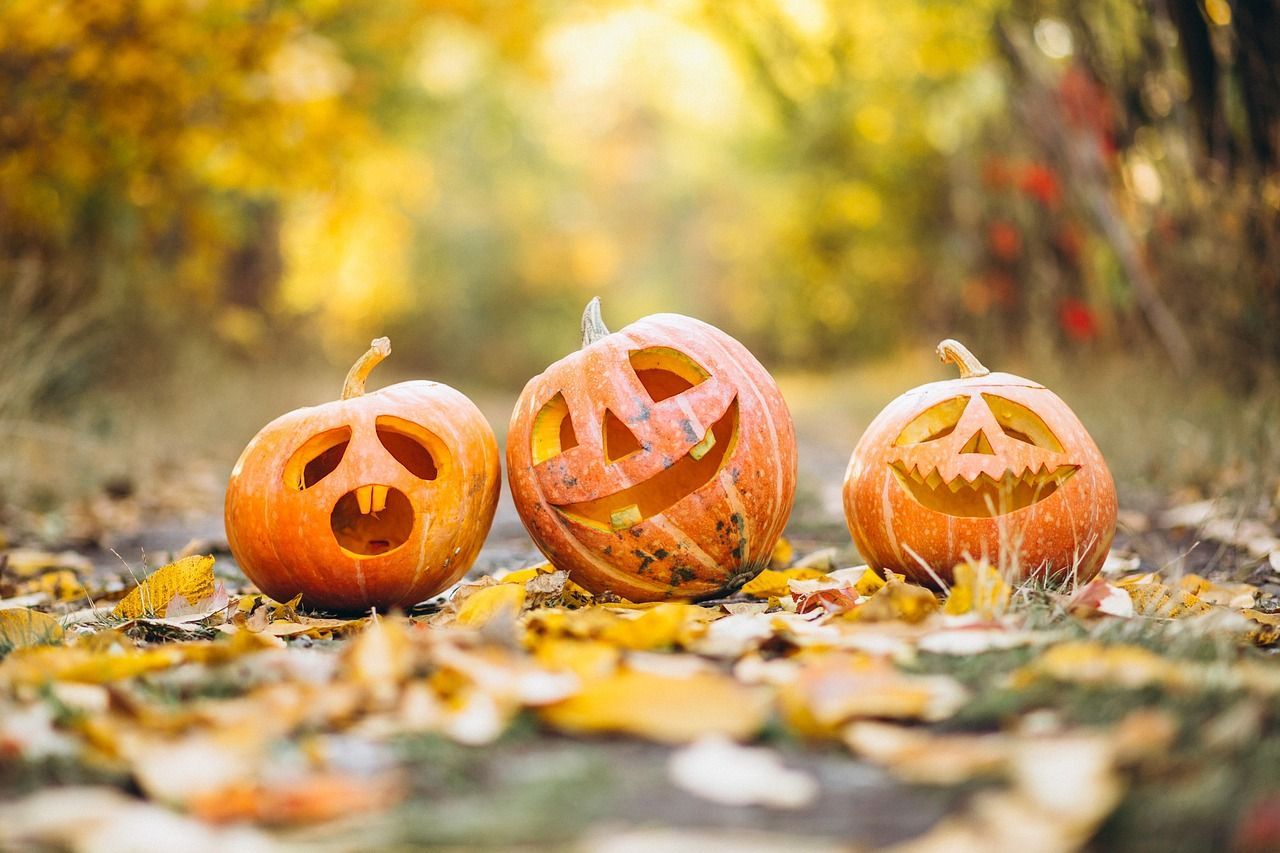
x=955 y=352
x=593 y=327
x=379 y=349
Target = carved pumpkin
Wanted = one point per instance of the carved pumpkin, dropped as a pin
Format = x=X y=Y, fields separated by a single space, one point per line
x=376 y=500
x=987 y=465
x=658 y=461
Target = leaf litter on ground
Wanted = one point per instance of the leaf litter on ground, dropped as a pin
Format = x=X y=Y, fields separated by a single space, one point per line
x=227 y=708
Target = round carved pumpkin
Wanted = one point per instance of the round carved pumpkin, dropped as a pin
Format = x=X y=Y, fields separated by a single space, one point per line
x=658 y=461
x=988 y=465
x=375 y=500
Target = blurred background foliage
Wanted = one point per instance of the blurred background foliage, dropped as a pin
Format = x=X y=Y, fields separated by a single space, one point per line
x=254 y=182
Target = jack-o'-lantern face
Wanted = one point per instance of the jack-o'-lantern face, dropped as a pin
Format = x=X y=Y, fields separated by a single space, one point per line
x=657 y=461
x=989 y=465
x=655 y=417
x=374 y=500
x=979 y=455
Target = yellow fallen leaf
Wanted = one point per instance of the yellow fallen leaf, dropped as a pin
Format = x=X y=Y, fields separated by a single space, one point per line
x=978 y=588
x=1094 y=663
x=664 y=625
x=896 y=600
x=773 y=583
x=1268 y=631
x=20 y=628
x=1162 y=602
x=587 y=659
x=836 y=688
x=664 y=708
x=478 y=608
x=523 y=576
x=871 y=582
x=190 y=577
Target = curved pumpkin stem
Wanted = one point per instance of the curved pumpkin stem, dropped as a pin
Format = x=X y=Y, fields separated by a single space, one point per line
x=958 y=354
x=379 y=349
x=593 y=327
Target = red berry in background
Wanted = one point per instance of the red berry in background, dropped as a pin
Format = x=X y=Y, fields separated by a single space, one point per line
x=1039 y=182
x=1004 y=240
x=1077 y=320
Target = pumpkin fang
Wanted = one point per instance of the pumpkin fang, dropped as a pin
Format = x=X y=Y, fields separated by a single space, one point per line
x=984 y=496
x=372 y=520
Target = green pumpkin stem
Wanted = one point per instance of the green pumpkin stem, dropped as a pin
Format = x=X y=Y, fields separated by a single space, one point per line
x=958 y=354
x=593 y=327
x=379 y=349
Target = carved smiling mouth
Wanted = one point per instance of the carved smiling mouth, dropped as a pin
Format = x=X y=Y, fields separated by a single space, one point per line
x=983 y=497
x=630 y=506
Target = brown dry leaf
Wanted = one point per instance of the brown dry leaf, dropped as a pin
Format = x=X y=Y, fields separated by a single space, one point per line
x=667 y=708
x=978 y=588
x=21 y=628
x=190 y=578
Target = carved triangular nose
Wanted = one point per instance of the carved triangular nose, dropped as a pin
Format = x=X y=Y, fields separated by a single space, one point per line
x=978 y=443
x=619 y=440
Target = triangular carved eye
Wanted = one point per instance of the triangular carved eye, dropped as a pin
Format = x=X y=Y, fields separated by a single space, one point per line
x=1022 y=424
x=933 y=423
x=317 y=458
x=553 y=431
x=619 y=440
x=665 y=372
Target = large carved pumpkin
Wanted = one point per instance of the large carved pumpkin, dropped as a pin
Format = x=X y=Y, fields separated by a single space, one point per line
x=657 y=461
x=375 y=500
x=988 y=465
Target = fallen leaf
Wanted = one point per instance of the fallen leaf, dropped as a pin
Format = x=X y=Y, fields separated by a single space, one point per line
x=491 y=602
x=774 y=583
x=896 y=600
x=21 y=628
x=978 y=588
x=1102 y=596
x=721 y=771
x=191 y=578
x=664 y=708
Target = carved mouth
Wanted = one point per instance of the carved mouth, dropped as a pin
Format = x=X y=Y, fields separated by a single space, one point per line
x=372 y=520
x=630 y=506
x=984 y=496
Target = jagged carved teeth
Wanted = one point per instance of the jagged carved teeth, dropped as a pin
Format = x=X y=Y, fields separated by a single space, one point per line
x=984 y=495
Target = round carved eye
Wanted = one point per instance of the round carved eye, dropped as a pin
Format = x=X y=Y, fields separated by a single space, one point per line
x=1020 y=423
x=665 y=372
x=935 y=422
x=415 y=447
x=316 y=458
x=552 y=432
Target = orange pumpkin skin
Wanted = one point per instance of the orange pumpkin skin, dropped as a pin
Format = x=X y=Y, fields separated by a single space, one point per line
x=959 y=469
x=419 y=530
x=677 y=484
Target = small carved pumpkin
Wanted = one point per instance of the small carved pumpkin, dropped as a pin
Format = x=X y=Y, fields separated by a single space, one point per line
x=657 y=461
x=988 y=465
x=376 y=500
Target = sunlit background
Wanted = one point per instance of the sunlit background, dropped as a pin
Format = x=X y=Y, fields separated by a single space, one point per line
x=206 y=206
